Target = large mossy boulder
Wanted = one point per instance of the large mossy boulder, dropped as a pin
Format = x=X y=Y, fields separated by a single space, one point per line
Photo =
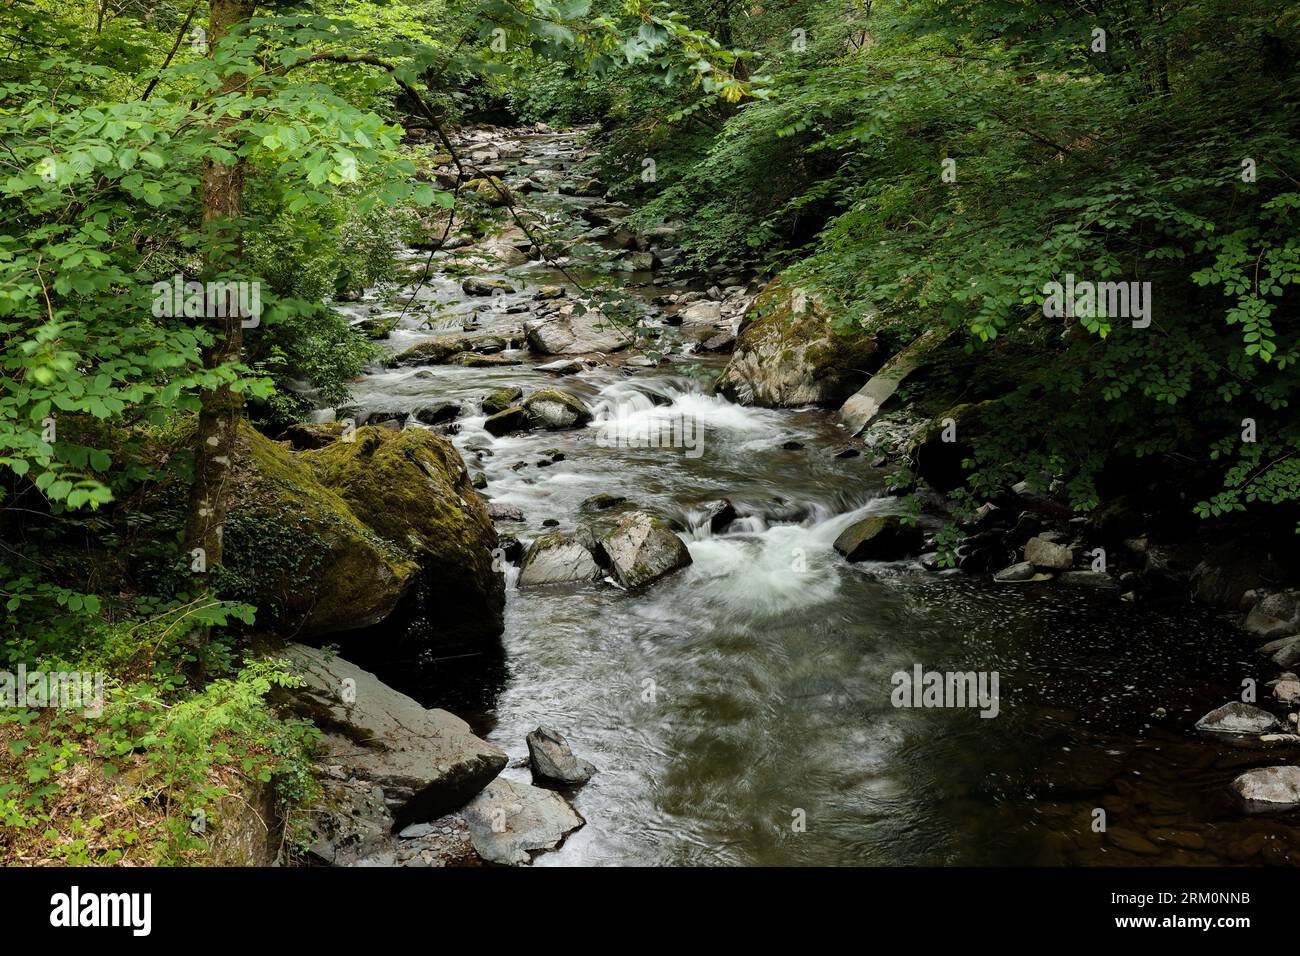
x=412 y=488
x=340 y=538
x=295 y=549
x=789 y=354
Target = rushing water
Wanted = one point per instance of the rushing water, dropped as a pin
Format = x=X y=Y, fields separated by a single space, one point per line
x=752 y=690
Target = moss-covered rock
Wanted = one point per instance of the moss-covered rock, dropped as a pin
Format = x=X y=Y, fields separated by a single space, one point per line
x=501 y=399
x=445 y=348
x=359 y=532
x=879 y=538
x=413 y=490
x=489 y=190
x=789 y=354
x=295 y=548
x=512 y=419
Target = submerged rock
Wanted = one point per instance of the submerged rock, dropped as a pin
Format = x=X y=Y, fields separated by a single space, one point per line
x=1237 y=720
x=427 y=762
x=558 y=558
x=601 y=502
x=1098 y=580
x=879 y=538
x=1269 y=789
x=642 y=550
x=510 y=821
x=553 y=409
x=553 y=761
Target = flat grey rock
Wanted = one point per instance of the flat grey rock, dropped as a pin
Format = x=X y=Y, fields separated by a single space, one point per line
x=509 y=821
x=426 y=761
x=1238 y=720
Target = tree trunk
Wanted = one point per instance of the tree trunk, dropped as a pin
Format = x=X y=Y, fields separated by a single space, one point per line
x=214 y=440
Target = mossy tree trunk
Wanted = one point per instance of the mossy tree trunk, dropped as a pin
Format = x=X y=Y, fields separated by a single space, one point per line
x=223 y=209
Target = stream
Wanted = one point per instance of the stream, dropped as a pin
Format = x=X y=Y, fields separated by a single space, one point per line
x=739 y=710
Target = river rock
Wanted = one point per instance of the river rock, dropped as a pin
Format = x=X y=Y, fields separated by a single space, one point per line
x=1287 y=651
x=879 y=538
x=478 y=360
x=437 y=414
x=1275 y=615
x=1237 y=719
x=601 y=502
x=476 y=285
x=1287 y=691
x=499 y=511
x=412 y=490
x=350 y=823
x=510 y=821
x=442 y=348
x=788 y=354
x=552 y=760
x=1043 y=553
x=553 y=409
x=604 y=215
x=642 y=550
x=489 y=190
x=512 y=419
x=501 y=399
x=1016 y=573
x=719 y=514
x=566 y=333
x=1269 y=789
x=558 y=558
x=426 y=761
x=386 y=520
x=1098 y=580
x=562 y=366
